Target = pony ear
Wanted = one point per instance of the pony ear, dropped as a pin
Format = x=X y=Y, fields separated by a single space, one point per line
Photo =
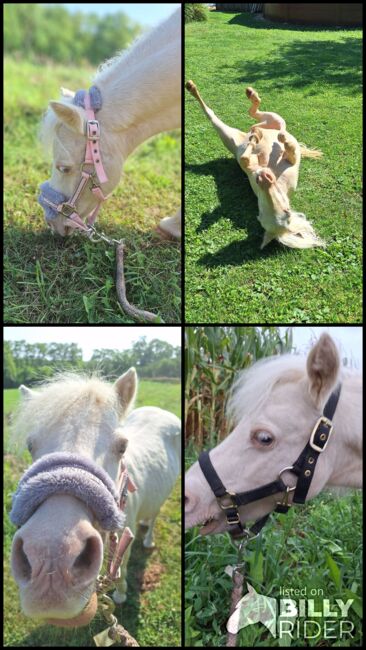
x=72 y=116
x=26 y=393
x=126 y=387
x=323 y=365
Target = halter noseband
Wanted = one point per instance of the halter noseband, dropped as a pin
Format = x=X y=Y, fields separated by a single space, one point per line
x=303 y=468
x=67 y=473
x=53 y=201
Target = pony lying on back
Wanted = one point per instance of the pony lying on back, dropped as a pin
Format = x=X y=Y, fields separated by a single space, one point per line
x=270 y=157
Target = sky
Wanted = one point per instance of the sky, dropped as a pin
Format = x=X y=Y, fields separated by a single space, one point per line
x=348 y=339
x=93 y=338
x=147 y=14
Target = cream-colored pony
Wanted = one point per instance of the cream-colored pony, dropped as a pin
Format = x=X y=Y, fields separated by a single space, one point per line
x=270 y=157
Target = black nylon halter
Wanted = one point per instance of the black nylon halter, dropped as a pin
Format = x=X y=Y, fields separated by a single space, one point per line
x=303 y=467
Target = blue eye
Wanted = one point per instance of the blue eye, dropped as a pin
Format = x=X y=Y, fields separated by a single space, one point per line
x=264 y=438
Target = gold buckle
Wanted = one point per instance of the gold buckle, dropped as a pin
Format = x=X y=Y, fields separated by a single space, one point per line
x=225 y=496
x=235 y=522
x=312 y=444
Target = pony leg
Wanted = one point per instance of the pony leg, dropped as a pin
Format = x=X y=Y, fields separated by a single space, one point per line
x=248 y=161
x=232 y=138
x=266 y=120
x=292 y=151
x=120 y=594
x=170 y=227
x=149 y=537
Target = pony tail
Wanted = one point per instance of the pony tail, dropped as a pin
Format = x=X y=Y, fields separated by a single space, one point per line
x=309 y=153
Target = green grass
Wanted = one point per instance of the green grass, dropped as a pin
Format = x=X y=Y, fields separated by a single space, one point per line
x=315 y=547
x=152 y=612
x=55 y=280
x=312 y=77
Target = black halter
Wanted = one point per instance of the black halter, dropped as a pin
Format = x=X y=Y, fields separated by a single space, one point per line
x=303 y=467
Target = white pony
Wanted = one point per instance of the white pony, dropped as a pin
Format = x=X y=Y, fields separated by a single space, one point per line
x=274 y=406
x=58 y=552
x=141 y=96
x=270 y=156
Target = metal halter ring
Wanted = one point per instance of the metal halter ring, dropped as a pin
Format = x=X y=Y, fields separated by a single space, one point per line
x=287 y=469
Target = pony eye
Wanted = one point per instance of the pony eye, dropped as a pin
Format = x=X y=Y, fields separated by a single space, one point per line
x=30 y=445
x=263 y=438
x=63 y=169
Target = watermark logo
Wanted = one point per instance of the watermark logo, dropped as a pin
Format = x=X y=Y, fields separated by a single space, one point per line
x=302 y=617
x=253 y=608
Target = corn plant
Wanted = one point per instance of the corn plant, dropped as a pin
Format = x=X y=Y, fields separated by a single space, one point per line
x=213 y=356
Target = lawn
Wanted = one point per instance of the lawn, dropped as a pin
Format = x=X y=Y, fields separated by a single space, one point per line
x=312 y=77
x=49 y=279
x=152 y=612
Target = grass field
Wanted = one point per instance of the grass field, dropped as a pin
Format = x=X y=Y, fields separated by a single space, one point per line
x=55 y=280
x=316 y=548
x=152 y=612
x=312 y=77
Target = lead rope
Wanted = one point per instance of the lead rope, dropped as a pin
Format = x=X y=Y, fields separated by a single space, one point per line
x=130 y=310
x=237 y=575
x=114 y=632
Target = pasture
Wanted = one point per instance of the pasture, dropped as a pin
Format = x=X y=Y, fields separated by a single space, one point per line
x=55 y=280
x=312 y=77
x=152 y=613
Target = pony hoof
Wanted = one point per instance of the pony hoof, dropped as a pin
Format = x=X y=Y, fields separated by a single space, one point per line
x=148 y=544
x=190 y=86
x=119 y=598
x=163 y=234
x=257 y=133
x=249 y=91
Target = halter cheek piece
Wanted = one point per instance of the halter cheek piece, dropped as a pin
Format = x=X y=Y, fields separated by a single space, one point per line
x=54 y=202
x=303 y=468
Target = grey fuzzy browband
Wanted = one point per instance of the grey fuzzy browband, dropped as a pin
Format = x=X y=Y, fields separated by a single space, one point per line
x=95 y=98
x=66 y=473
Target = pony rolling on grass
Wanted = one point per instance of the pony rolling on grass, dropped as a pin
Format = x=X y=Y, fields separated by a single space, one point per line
x=270 y=156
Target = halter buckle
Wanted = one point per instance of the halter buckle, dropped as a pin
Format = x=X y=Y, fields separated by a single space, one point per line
x=233 y=522
x=227 y=495
x=322 y=420
x=92 y=130
x=66 y=209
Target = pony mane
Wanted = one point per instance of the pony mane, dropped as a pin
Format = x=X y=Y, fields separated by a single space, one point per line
x=55 y=399
x=253 y=386
x=139 y=50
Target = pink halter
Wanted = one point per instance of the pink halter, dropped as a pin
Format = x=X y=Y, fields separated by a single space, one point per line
x=97 y=176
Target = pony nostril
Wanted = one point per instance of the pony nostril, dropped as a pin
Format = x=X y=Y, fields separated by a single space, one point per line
x=190 y=501
x=22 y=570
x=87 y=563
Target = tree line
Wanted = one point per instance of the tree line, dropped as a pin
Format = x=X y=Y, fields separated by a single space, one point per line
x=52 y=32
x=27 y=363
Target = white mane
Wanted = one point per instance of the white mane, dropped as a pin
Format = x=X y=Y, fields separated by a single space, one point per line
x=56 y=399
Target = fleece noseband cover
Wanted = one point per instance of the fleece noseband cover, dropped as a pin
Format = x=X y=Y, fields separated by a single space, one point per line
x=67 y=473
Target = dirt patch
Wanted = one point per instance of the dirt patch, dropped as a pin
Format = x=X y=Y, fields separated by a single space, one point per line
x=149 y=579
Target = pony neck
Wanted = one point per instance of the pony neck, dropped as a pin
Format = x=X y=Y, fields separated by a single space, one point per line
x=141 y=89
